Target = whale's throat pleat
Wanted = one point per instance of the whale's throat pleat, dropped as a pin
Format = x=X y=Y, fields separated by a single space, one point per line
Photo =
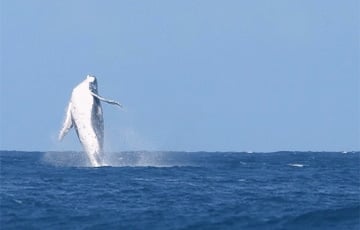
x=98 y=122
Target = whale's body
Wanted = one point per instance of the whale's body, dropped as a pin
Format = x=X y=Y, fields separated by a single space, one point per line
x=85 y=114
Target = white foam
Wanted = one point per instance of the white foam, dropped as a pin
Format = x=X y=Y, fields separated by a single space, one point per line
x=66 y=159
x=17 y=201
x=296 y=165
x=122 y=159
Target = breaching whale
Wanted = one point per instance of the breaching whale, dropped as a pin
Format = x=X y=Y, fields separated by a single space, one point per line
x=84 y=113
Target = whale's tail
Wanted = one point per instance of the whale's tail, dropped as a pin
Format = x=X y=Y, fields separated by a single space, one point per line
x=68 y=123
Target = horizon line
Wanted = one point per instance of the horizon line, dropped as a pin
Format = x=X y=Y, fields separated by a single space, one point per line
x=193 y=151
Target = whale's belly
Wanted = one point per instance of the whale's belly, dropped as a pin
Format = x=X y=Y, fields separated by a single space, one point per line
x=88 y=121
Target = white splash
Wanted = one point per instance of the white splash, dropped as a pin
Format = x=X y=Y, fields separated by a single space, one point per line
x=116 y=159
x=296 y=165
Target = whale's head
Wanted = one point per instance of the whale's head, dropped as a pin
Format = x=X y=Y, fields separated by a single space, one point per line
x=92 y=83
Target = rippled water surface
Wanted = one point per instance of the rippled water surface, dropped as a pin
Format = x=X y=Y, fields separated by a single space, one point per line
x=180 y=190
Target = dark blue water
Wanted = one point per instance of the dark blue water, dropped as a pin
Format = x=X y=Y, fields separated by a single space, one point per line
x=179 y=190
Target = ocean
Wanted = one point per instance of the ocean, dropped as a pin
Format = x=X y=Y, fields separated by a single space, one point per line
x=180 y=190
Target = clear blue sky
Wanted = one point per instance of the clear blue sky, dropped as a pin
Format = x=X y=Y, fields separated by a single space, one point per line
x=193 y=75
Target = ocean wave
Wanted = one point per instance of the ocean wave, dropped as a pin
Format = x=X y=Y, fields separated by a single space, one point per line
x=341 y=218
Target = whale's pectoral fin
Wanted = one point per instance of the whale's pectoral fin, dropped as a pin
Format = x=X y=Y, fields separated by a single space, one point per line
x=107 y=100
x=68 y=124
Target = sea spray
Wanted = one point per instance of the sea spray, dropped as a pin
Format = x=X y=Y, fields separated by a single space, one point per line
x=119 y=159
